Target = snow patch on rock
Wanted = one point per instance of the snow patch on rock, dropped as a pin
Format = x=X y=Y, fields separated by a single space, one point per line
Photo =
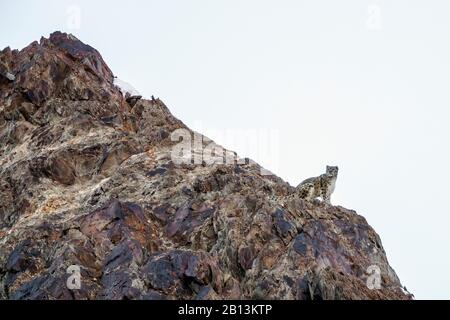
x=125 y=88
x=10 y=76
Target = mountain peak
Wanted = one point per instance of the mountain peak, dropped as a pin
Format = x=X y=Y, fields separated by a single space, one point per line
x=89 y=182
x=60 y=66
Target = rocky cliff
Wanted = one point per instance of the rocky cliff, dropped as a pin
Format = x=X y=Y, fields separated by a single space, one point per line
x=87 y=179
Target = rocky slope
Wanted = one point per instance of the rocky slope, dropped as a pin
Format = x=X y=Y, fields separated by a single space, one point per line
x=87 y=179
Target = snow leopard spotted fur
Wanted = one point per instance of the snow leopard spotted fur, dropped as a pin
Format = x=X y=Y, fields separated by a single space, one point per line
x=321 y=186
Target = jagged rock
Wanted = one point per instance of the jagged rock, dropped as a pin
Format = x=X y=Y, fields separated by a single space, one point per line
x=87 y=179
x=132 y=100
x=4 y=69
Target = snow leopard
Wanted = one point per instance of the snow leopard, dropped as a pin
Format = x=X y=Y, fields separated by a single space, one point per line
x=321 y=186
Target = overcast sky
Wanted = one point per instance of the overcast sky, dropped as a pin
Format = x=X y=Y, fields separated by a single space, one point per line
x=362 y=84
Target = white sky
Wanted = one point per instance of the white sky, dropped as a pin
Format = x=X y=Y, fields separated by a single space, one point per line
x=363 y=84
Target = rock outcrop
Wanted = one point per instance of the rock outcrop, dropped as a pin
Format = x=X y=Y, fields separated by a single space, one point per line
x=87 y=179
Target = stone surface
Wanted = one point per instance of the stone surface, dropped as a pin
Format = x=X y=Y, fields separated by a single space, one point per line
x=86 y=179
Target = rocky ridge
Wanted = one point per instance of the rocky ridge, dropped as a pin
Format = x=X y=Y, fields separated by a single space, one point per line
x=87 y=179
